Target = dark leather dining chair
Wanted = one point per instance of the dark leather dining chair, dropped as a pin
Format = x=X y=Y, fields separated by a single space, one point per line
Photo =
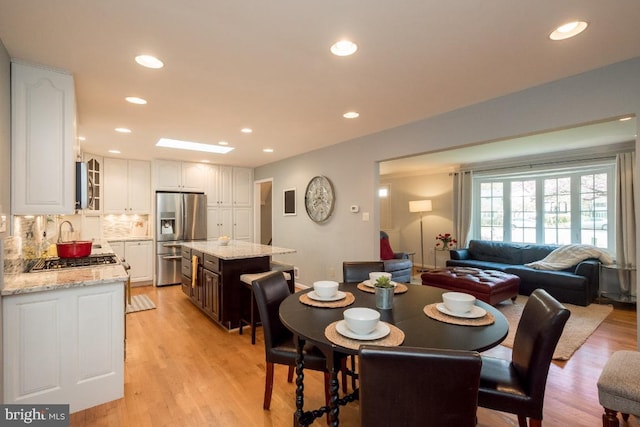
x=405 y=386
x=518 y=385
x=357 y=271
x=280 y=345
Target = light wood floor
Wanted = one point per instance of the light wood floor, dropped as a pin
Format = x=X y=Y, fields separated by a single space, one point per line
x=183 y=370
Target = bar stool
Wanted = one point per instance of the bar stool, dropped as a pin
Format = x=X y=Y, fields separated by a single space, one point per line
x=248 y=279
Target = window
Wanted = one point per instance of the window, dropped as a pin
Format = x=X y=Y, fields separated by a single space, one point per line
x=547 y=207
x=384 y=194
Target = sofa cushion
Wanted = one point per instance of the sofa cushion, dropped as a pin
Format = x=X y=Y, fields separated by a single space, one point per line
x=385 y=249
x=504 y=253
x=548 y=279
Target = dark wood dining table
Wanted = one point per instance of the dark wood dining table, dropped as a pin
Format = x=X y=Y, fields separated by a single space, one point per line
x=308 y=323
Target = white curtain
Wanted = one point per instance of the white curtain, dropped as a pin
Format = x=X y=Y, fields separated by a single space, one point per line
x=625 y=219
x=462 y=182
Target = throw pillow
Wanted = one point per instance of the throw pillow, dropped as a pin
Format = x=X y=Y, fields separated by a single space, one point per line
x=385 y=250
x=570 y=255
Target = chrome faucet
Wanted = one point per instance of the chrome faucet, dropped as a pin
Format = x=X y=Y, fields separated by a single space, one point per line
x=60 y=229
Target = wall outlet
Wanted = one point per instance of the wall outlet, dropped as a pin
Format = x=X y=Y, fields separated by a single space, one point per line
x=332 y=273
x=296 y=272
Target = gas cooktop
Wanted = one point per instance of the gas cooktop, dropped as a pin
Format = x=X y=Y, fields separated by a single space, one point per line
x=48 y=264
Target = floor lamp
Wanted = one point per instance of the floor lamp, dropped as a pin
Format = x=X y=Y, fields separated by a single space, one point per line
x=420 y=206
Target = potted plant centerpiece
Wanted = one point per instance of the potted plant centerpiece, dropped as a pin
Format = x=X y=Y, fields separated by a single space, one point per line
x=384 y=292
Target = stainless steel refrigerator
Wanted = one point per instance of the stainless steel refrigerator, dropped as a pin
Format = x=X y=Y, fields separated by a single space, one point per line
x=180 y=217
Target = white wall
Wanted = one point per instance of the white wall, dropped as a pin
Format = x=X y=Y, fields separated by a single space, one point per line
x=436 y=187
x=352 y=165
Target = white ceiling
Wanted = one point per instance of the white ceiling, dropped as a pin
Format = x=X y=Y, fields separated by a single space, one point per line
x=266 y=65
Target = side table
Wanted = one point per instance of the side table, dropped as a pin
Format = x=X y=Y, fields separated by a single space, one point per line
x=617 y=282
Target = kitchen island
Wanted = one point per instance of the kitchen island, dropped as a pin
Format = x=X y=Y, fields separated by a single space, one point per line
x=63 y=336
x=211 y=276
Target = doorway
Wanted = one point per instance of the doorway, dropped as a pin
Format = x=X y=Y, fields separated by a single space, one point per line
x=263 y=211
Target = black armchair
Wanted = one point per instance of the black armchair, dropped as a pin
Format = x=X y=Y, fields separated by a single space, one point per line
x=396 y=263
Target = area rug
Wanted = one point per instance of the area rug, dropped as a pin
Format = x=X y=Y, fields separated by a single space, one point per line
x=581 y=324
x=140 y=303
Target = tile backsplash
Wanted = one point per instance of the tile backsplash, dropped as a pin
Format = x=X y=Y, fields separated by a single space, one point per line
x=122 y=226
x=33 y=234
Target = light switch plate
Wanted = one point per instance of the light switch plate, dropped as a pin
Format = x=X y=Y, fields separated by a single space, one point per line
x=3 y=223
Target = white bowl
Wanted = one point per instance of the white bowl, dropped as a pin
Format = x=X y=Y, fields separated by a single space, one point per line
x=361 y=320
x=458 y=302
x=325 y=288
x=375 y=275
x=223 y=240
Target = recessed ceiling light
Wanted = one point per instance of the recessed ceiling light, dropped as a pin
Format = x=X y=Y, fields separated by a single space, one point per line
x=82 y=138
x=204 y=161
x=123 y=130
x=568 y=30
x=268 y=150
x=344 y=48
x=223 y=143
x=246 y=130
x=149 y=61
x=351 y=115
x=114 y=151
x=136 y=100
x=195 y=146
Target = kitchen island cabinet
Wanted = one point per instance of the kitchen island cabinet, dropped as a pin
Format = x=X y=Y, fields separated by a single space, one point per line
x=214 y=285
x=63 y=337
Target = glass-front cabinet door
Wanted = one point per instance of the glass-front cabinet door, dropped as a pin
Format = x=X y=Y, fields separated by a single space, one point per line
x=94 y=170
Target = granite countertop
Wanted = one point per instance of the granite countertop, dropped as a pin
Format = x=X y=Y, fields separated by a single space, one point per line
x=40 y=281
x=128 y=239
x=236 y=249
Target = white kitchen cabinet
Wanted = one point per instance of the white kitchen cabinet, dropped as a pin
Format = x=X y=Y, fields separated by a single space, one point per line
x=42 y=141
x=117 y=247
x=138 y=254
x=219 y=185
x=242 y=224
x=127 y=186
x=170 y=175
x=242 y=187
x=219 y=222
x=64 y=346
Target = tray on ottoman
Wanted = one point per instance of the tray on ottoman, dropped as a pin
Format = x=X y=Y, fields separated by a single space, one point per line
x=490 y=286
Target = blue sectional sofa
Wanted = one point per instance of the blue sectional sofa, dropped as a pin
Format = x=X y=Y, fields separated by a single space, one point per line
x=575 y=285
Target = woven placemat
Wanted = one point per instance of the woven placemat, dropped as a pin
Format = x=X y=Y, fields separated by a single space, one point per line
x=395 y=337
x=347 y=300
x=431 y=311
x=400 y=288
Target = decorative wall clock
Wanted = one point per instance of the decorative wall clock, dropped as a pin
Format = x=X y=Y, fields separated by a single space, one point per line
x=319 y=199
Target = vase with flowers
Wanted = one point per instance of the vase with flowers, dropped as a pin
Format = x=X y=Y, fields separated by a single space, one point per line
x=445 y=242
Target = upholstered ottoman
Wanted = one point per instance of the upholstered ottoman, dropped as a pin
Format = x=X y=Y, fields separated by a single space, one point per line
x=490 y=286
x=619 y=387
